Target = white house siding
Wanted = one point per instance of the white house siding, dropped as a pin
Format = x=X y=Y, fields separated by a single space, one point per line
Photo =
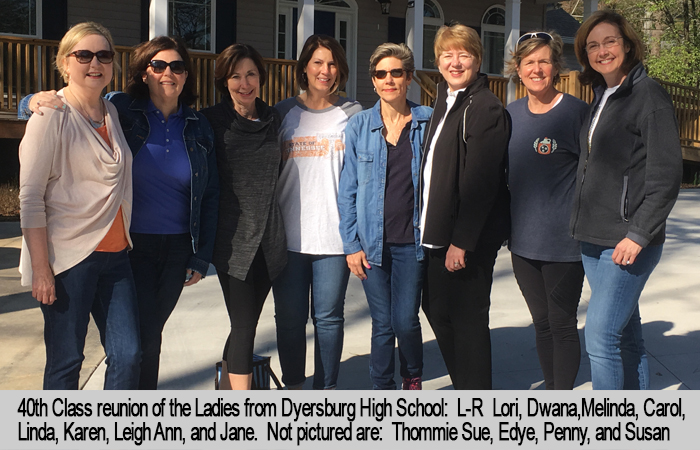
x=122 y=18
x=256 y=25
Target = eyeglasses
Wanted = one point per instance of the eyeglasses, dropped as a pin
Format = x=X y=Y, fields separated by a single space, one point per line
x=176 y=67
x=592 y=47
x=536 y=35
x=85 y=56
x=381 y=74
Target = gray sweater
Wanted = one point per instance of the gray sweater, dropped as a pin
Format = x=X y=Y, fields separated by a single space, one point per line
x=248 y=160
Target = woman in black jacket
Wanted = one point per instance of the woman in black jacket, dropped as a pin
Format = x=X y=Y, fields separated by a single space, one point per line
x=250 y=249
x=632 y=162
x=465 y=206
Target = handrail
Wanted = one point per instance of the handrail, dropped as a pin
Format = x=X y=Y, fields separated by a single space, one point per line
x=26 y=66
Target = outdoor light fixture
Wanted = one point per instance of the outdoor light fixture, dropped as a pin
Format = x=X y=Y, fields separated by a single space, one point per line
x=385 y=5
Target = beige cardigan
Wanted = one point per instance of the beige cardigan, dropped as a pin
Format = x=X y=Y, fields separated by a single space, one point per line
x=72 y=183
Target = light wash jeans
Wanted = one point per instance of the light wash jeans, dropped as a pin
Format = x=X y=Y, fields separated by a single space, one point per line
x=326 y=276
x=613 y=326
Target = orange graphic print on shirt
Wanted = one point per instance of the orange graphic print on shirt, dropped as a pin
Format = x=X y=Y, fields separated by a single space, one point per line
x=310 y=146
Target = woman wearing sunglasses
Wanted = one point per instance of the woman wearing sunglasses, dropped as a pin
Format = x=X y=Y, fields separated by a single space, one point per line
x=543 y=157
x=175 y=180
x=312 y=137
x=75 y=198
x=250 y=249
x=464 y=206
x=632 y=162
x=378 y=203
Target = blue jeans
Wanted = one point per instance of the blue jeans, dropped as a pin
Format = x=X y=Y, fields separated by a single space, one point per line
x=101 y=284
x=393 y=293
x=159 y=265
x=613 y=326
x=327 y=278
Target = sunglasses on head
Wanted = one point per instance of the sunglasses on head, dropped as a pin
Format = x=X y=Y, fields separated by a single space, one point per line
x=176 y=67
x=395 y=73
x=85 y=56
x=537 y=35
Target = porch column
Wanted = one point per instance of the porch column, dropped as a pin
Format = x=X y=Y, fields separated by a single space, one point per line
x=305 y=27
x=414 y=40
x=512 y=35
x=589 y=7
x=158 y=18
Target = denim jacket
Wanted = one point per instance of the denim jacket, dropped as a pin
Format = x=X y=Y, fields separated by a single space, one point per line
x=199 y=139
x=363 y=181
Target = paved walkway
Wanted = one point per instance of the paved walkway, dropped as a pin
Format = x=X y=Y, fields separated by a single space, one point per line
x=194 y=336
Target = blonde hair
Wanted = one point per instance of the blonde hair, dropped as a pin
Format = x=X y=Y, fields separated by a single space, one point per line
x=523 y=50
x=71 y=39
x=457 y=35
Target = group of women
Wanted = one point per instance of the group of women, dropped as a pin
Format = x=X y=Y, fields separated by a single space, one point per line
x=415 y=202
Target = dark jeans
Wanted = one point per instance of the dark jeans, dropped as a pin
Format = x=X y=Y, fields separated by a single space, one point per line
x=159 y=264
x=102 y=284
x=244 y=303
x=327 y=278
x=393 y=293
x=457 y=307
x=552 y=291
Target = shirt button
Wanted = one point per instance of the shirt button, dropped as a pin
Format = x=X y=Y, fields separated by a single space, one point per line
x=162 y=121
x=168 y=130
x=195 y=198
x=167 y=151
x=194 y=224
x=196 y=174
x=167 y=140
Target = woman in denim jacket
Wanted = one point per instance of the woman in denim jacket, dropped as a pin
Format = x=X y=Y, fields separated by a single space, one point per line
x=379 y=215
x=176 y=195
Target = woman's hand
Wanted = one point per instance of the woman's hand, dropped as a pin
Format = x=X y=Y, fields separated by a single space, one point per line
x=455 y=260
x=192 y=278
x=46 y=99
x=43 y=285
x=357 y=262
x=626 y=252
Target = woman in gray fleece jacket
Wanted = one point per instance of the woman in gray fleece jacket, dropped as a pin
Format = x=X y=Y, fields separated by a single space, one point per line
x=628 y=180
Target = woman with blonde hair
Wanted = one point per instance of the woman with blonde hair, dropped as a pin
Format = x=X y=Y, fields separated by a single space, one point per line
x=75 y=199
x=464 y=201
x=542 y=160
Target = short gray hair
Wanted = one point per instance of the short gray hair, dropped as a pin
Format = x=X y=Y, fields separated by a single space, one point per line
x=398 y=51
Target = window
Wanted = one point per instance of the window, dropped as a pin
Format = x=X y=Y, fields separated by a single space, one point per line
x=191 y=20
x=432 y=21
x=493 y=36
x=20 y=17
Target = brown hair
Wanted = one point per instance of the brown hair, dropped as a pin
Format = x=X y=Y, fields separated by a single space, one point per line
x=71 y=39
x=456 y=35
x=142 y=56
x=398 y=51
x=630 y=38
x=310 y=46
x=227 y=61
x=528 y=46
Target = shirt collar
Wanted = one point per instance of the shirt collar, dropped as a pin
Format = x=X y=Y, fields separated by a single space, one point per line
x=151 y=109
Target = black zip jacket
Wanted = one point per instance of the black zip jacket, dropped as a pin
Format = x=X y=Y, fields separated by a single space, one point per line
x=469 y=203
x=628 y=181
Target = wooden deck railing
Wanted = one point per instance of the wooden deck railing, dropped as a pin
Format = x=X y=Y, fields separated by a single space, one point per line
x=26 y=66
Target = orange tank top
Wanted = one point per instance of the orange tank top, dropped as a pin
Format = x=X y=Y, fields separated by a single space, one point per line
x=115 y=240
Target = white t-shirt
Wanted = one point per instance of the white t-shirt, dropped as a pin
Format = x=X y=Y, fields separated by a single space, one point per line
x=608 y=92
x=312 y=143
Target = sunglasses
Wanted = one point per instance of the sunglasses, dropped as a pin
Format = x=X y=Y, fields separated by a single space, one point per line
x=85 y=56
x=537 y=35
x=395 y=73
x=176 y=67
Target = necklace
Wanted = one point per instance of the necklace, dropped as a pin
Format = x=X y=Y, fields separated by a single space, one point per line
x=83 y=112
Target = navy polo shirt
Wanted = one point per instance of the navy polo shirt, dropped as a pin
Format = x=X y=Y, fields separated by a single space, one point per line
x=162 y=177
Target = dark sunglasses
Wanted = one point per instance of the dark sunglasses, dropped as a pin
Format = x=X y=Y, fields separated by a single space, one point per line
x=537 y=35
x=176 y=67
x=395 y=73
x=85 y=56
